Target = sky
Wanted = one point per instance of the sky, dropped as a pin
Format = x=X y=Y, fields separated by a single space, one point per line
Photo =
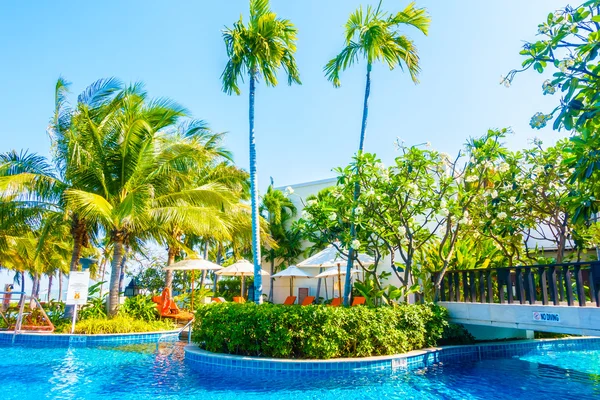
x=303 y=132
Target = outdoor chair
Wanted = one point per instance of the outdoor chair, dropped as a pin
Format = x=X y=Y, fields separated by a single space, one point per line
x=308 y=300
x=239 y=300
x=336 y=302
x=216 y=300
x=357 y=301
x=222 y=299
x=290 y=300
x=168 y=309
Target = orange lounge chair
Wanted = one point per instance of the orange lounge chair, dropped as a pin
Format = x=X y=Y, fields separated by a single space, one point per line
x=290 y=300
x=308 y=300
x=336 y=302
x=168 y=309
x=357 y=301
x=216 y=300
x=239 y=300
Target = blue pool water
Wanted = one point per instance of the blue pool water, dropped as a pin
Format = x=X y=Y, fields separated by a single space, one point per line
x=142 y=372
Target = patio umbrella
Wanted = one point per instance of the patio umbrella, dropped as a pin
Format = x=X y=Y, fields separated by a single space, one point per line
x=335 y=271
x=193 y=264
x=292 y=272
x=241 y=268
x=331 y=257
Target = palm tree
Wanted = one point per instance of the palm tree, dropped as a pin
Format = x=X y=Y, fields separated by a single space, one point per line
x=375 y=35
x=134 y=163
x=258 y=49
x=278 y=209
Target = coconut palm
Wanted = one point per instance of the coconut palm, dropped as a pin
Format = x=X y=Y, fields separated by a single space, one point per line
x=258 y=49
x=278 y=209
x=374 y=35
x=135 y=164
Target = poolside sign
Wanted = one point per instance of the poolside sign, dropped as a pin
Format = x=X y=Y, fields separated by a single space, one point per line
x=546 y=317
x=77 y=291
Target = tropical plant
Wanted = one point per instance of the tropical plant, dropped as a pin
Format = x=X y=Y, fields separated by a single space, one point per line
x=140 y=308
x=258 y=49
x=277 y=209
x=375 y=36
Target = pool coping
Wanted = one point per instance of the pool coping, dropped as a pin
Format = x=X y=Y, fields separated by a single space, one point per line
x=85 y=340
x=417 y=359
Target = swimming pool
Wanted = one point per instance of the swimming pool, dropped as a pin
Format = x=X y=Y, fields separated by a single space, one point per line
x=142 y=372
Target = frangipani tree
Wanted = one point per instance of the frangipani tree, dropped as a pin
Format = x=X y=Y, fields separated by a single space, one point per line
x=258 y=49
x=568 y=45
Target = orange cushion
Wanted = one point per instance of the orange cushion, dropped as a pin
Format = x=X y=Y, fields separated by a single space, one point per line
x=289 y=300
x=308 y=300
x=357 y=301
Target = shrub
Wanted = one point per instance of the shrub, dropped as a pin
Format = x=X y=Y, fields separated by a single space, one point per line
x=456 y=334
x=316 y=332
x=140 y=307
x=120 y=324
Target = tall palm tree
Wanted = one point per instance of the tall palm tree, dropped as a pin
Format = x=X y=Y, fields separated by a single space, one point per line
x=258 y=49
x=375 y=35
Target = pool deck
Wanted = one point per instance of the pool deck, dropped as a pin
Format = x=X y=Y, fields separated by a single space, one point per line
x=198 y=358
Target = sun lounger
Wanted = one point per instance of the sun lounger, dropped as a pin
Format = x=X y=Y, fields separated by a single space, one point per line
x=357 y=301
x=308 y=300
x=336 y=302
x=290 y=300
x=168 y=309
x=239 y=300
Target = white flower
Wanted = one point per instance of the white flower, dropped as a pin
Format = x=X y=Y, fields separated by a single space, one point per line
x=332 y=216
x=502 y=215
x=289 y=190
x=503 y=167
x=311 y=203
x=539 y=170
x=370 y=193
x=306 y=215
x=504 y=81
x=471 y=178
x=444 y=212
x=358 y=210
x=548 y=87
x=464 y=221
x=444 y=156
x=402 y=230
x=543 y=29
x=428 y=144
x=355 y=244
x=494 y=194
x=379 y=165
x=512 y=199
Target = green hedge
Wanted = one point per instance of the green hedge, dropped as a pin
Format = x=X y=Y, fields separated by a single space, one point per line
x=317 y=332
x=119 y=324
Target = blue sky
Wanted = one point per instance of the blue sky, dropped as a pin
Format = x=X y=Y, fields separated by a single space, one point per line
x=304 y=131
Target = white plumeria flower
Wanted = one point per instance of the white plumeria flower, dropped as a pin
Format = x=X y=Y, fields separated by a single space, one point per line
x=428 y=144
x=471 y=178
x=332 y=216
x=502 y=215
x=512 y=199
x=503 y=167
x=358 y=210
x=306 y=215
x=494 y=194
x=402 y=230
x=311 y=203
x=289 y=190
x=355 y=244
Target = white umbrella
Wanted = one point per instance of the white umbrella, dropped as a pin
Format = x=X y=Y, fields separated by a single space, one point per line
x=241 y=268
x=193 y=264
x=292 y=272
x=331 y=257
x=336 y=271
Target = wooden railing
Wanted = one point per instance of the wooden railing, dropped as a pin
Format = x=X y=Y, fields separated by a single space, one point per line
x=554 y=284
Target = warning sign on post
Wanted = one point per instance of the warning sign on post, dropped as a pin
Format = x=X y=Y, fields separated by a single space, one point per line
x=77 y=291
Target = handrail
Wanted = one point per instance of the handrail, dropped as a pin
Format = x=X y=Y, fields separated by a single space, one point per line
x=190 y=331
x=547 y=284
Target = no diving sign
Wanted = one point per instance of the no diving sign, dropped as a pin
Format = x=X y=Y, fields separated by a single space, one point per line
x=546 y=317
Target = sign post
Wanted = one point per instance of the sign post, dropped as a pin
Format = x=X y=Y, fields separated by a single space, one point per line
x=77 y=292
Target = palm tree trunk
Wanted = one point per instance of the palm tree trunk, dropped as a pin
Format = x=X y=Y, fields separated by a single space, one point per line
x=254 y=196
x=122 y=271
x=363 y=130
x=113 y=296
x=169 y=275
x=60 y=285
x=49 y=286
